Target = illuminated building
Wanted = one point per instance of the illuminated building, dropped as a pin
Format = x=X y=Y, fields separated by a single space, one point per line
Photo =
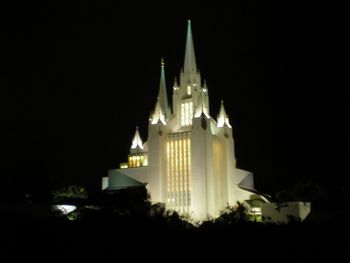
x=188 y=160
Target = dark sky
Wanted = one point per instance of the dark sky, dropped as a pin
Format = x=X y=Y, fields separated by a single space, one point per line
x=76 y=79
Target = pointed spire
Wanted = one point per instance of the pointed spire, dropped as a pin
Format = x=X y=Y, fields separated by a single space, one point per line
x=205 y=87
x=222 y=119
x=190 y=59
x=158 y=115
x=162 y=95
x=222 y=108
x=176 y=84
x=201 y=108
x=137 y=141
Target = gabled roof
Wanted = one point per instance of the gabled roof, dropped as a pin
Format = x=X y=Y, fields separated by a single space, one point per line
x=122 y=181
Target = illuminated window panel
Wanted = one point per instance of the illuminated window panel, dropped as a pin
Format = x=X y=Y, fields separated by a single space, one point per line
x=188 y=90
x=186 y=113
x=178 y=172
x=137 y=160
x=145 y=160
x=124 y=165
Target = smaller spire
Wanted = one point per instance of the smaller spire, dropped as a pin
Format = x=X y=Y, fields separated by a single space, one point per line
x=158 y=115
x=176 y=84
x=205 y=87
x=201 y=108
x=222 y=119
x=137 y=141
x=162 y=94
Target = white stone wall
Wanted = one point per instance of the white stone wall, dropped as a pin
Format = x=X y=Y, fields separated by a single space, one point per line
x=198 y=172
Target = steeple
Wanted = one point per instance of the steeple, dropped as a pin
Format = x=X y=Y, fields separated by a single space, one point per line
x=222 y=119
x=176 y=84
x=137 y=144
x=162 y=95
x=158 y=115
x=190 y=59
x=205 y=87
x=201 y=107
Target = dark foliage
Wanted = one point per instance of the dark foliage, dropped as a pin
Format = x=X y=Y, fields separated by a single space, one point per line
x=124 y=223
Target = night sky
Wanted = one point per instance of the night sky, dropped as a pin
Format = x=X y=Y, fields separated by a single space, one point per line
x=76 y=80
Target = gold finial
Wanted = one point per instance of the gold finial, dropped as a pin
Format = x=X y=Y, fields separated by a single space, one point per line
x=162 y=62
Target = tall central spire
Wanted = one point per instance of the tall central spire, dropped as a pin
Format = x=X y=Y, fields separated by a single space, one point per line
x=190 y=59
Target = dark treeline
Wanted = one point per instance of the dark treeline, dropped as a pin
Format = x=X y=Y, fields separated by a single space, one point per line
x=125 y=224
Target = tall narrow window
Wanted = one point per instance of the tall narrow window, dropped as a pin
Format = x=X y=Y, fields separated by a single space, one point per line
x=179 y=172
x=186 y=113
x=188 y=90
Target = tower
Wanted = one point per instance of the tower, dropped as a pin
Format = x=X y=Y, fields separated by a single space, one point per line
x=188 y=160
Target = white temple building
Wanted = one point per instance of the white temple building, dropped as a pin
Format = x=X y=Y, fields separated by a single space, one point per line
x=188 y=161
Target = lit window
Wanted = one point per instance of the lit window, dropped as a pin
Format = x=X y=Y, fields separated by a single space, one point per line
x=135 y=161
x=188 y=90
x=178 y=177
x=186 y=113
x=124 y=165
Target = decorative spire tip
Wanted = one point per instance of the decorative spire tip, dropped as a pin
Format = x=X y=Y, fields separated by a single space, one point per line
x=162 y=62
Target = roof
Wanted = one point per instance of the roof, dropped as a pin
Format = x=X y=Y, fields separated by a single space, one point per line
x=266 y=196
x=119 y=180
